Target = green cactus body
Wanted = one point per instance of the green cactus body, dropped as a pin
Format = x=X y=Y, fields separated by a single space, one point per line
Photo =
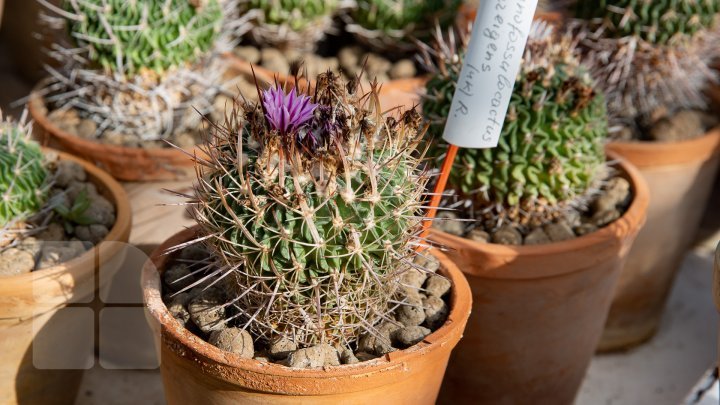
x=658 y=22
x=550 y=154
x=296 y=14
x=394 y=24
x=312 y=236
x=22 y=174
x=126 y=36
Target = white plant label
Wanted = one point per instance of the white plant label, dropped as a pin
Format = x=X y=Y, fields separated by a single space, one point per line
x=488 y=75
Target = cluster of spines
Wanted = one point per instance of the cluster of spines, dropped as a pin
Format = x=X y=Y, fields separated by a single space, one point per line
x=550 y=153
x=650 y=58
x=312 y=220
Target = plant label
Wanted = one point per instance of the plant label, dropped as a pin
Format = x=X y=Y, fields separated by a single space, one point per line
x=488 y=75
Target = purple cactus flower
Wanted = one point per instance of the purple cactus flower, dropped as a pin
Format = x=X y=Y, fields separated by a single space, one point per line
x=286 y=113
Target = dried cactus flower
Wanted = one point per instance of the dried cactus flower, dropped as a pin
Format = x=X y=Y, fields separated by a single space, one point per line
x=311 y=206
x=550 y=155
x=289 y=24
x=394 y=24
x=127 y=36
x=138 y=69
x=23 y=174
x=651 y=58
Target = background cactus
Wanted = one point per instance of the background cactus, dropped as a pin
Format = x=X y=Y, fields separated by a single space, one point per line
x=126 y=36
x=22 y=174
x=288 y=23
x=651 y=58
x=393 y=24
x=312 y=230
x=550 y=155
x=137 y=69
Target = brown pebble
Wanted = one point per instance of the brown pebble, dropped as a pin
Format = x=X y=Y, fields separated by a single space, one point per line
x=615 y=193
x=321 y=355
x=206 y=311
x=411 y=311
x=603 y=218
x=281 y=347
x=507 y=235
x=537 y=237
x=558 y=231
x=436 y=312
x=585 y=229
x=410 y=335
x=379 y=341
x=478 y=235
x=16 y=261
x=437 y=285
x=233 y=340
x=449 y=222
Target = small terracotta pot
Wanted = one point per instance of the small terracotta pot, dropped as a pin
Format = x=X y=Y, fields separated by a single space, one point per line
x=680 y=176
x=404 y=93
x=196 y=372
x=30 y=305
x=123 y=163
x=538 y=311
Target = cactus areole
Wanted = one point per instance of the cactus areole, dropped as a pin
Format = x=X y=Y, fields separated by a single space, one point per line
x=311 y=205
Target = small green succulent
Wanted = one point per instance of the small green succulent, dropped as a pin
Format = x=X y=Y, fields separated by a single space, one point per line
x=22 y=174
x=550 y=154
x=127 y=36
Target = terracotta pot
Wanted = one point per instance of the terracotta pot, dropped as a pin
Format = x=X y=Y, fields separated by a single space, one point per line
x=31 y=311
x=680 y=176
x=196 y=372
x=123 y=163
x=404 y=93
x=538 y=311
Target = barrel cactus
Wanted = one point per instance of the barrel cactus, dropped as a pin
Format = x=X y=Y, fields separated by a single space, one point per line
x=393 y=24
x=289 y=24
x=126 y=36
x=22 y=174
x=550 y=154
x=311 y=207
x=137 y=69
x=651 y=58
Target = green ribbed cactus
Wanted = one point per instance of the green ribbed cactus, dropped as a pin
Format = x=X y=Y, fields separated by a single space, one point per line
x=22 y=174
x=127 y=36
x=650 y=58
x=394 y=23
x=657 y=22
x=550 y=155
x=311 y=232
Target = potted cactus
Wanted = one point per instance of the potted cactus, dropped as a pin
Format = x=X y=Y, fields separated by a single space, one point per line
x=132 y=79
x=377 y=39
x=56 y=212
x=653 y=61
x=544 y=227
x=303 y=277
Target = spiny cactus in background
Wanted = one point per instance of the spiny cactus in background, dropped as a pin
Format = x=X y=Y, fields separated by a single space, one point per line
x=393 y=24
x=650 y=58
x=311 y=206
x=288 y=24
x=550 y=155
x=127 y=36
x=137 y=69
x=22 y=174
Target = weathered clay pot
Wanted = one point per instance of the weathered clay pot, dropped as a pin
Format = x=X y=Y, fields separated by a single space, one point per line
x=123 y=163
x=31 y=310
x=196 y=372
x=680 y=176
x=404 y=93
x=538 y=311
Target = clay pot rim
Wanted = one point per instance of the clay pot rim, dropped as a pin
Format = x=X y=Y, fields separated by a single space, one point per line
x=616 y=232
x=268 y=76
x=651 y=154
x=105 y=251
x=36 y=104
x=460 y=304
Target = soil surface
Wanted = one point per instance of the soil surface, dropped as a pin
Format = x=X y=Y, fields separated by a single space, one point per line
x=200 y=308
x=608 y=205
x=50 y=238
x=681 y=126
